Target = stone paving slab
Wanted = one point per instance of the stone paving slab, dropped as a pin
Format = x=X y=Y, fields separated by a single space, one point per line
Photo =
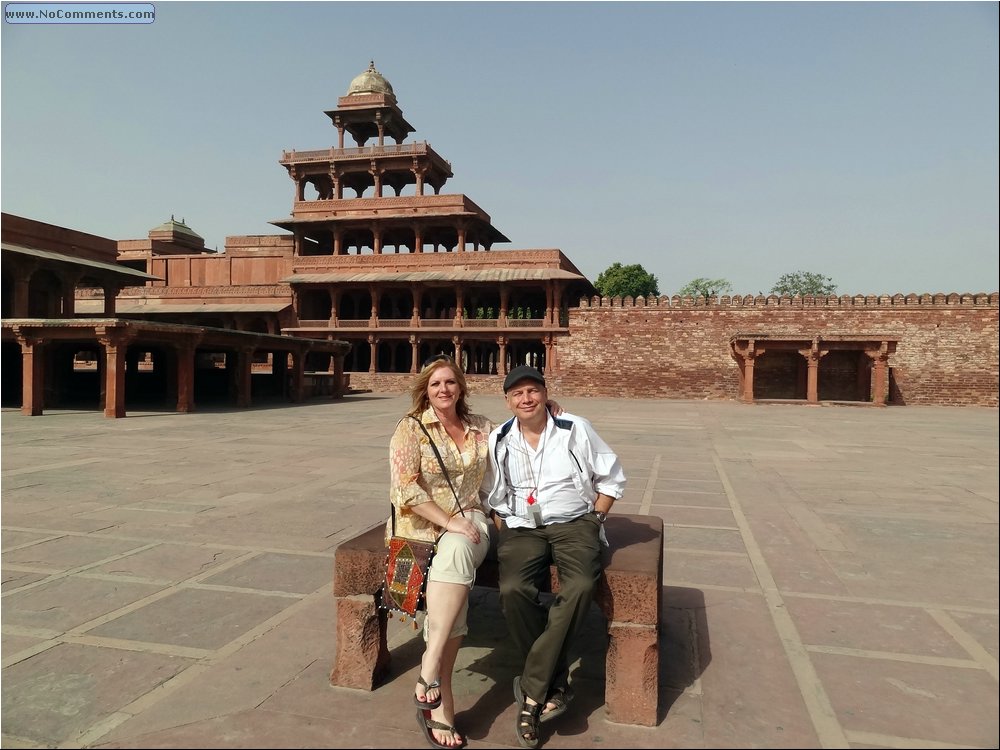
x=830 y=579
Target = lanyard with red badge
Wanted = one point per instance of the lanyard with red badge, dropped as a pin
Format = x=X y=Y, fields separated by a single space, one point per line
x=534 y=509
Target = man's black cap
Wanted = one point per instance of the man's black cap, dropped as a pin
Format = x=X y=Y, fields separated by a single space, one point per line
x=520 y=373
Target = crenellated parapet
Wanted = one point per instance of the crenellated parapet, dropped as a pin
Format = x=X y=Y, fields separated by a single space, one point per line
x=979 y=299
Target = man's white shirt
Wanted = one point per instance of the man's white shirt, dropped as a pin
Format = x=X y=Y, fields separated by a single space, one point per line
x=569 y=467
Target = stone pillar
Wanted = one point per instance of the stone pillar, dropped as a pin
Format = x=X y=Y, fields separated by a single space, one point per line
x=373 y=290
x=376 y=174
x=418 y=239
x=33 y=375
x=373 y=348
x=338 y=240
x=631 y=673
x=339 y=386
x=418 y=295
x=334 y=307
x=340 y=133
x=115 y=345
x=547 y=322
x=880 y=374
x=185 y=377
x=110 y=298
x=459 y=305
x=504 y=304
x=377 y=239
x=456 y=342
x=460 y=247
x=337 y=185
x=502 y=364
x=240 y=375
x=418 y=173
x=295 y=304
x=22 y=289
x=748 y=363
x=813 y=356
x=362 y=657
x=547 y=341
x=300 y=186
x=298 y=375
x=414 y=355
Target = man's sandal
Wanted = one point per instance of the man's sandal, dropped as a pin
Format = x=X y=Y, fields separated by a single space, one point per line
x=526 y=721
x=559 y=698
x=425 y=703
x=526 y=725
x=427 y=724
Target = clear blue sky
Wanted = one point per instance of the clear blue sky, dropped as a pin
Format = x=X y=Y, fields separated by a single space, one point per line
x=723 y=140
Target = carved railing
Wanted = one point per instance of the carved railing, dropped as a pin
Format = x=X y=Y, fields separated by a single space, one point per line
x=422 y=323
x=437 y=323
x=328 y=154
x=525 y=322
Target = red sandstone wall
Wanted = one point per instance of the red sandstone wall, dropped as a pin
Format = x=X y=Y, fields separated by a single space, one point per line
x=947 y=352
x=218 y=270
x=260 y=244
x=387 y=382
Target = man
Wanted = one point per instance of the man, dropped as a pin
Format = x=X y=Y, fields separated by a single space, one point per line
x=551 y=483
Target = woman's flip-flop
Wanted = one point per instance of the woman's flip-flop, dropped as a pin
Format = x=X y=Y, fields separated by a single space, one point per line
x=433 y=685
x=427 y=724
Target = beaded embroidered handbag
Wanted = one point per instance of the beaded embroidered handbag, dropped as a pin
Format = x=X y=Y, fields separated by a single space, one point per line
x=404 y=584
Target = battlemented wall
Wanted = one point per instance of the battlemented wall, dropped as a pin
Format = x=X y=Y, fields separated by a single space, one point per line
x=679 y=347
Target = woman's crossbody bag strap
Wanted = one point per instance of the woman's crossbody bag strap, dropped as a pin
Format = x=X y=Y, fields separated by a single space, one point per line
x=437 y=454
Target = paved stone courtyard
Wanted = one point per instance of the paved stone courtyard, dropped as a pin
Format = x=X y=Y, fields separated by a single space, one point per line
x=831 y=579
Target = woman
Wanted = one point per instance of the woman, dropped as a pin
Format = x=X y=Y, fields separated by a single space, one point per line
x=425 y=506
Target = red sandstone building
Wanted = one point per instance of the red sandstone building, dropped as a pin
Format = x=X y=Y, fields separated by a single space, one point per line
x=58 y=351
x=375 y=255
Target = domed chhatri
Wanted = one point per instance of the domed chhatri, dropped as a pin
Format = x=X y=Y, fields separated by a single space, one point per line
x=369 y=82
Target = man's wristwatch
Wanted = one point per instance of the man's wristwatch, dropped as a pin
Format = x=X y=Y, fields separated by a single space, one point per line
x=601 y=515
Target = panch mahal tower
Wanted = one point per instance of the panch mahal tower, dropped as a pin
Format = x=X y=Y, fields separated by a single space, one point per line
x=403 y=276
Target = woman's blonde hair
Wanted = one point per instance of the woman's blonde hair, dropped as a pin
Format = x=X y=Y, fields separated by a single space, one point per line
x=418 y=391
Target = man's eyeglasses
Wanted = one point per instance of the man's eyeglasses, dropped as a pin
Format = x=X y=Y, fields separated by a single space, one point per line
x=437 y=358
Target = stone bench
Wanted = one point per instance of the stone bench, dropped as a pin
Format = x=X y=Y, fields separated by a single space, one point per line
x=628 y=594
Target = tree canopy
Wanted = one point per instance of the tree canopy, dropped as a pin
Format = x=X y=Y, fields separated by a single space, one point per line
x=802 y=283
x=626 y=281
x=702 y=287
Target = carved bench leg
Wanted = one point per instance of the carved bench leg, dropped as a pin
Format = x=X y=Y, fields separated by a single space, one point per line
x=631 y=688
x=362 y=658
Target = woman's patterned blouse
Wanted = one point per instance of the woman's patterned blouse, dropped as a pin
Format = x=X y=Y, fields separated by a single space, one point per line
x=415 y=474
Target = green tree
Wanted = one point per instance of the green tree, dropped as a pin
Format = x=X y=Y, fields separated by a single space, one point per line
x=626 y=281
x=802 y=283
x=702 y=287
